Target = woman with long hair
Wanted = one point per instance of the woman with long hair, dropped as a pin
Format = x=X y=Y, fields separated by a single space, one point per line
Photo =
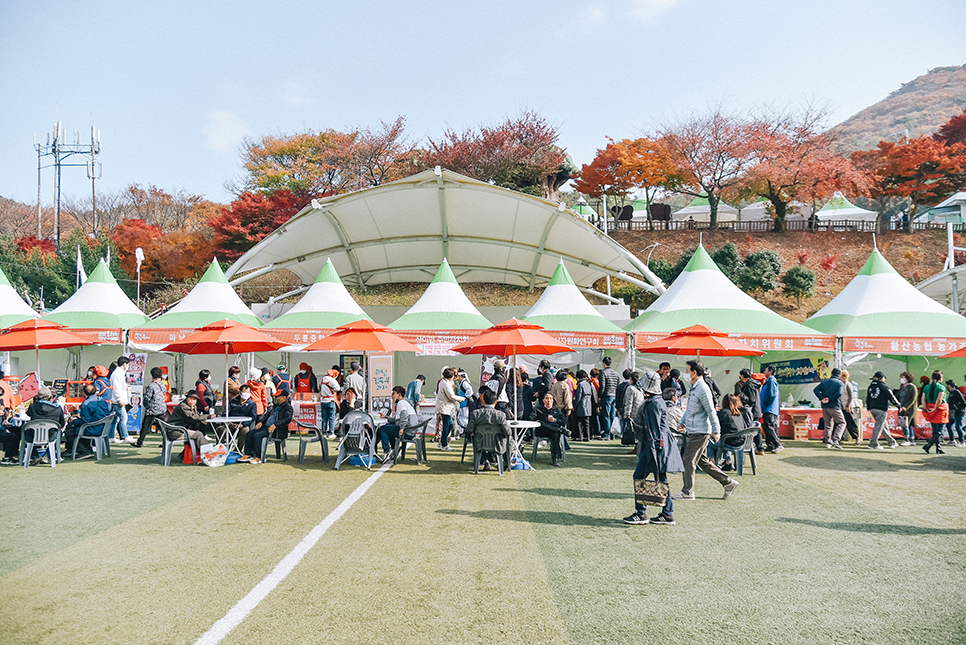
x=732 y=422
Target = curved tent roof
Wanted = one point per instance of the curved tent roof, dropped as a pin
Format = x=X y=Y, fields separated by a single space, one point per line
x=442 y=306
x=99 y=303
x=880 y=303
x=13 y=309
x=326 y=305
x=401 y=231
x=211 y=300
x=703 y=295
x=840 y=208
x=561 y=307
x=939 y=287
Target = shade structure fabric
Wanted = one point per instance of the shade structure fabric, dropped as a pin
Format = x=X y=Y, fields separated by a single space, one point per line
x=40 y=334
x=13 y=309
x=882 y=312
x=699 y=209
x=225 y=337
x=99 y=307
x=702 y=294
x=401 y=231
x=362 y=336
x=839 y=208
x=442 y=306
x=512 y=337
x=699 y=340
x=940 y=287
x=563 y=311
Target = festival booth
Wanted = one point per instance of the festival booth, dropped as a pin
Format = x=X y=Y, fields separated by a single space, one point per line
x=13 y=310
x=703 y=295
x=887 y=325
x=839 y=208
x=699 y=210
x=564 y=313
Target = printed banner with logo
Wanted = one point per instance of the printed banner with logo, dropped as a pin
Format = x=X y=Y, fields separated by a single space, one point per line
x=764 y=342
x=134 y=375
x=801 y=370
x=437 y=343
x=907 y=345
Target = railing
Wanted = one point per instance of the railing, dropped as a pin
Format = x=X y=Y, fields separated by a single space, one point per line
x=756 y=226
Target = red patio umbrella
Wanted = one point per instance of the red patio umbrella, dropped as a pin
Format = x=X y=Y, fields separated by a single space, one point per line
x=225 y=337
x=958 y=353
x=512 y=337
x=38 y=334
x=699 y=340
x=362 y=336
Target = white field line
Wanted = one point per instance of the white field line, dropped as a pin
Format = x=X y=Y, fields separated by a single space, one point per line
x=246 y=605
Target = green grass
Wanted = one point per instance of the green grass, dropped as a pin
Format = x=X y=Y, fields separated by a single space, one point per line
x=818 y=547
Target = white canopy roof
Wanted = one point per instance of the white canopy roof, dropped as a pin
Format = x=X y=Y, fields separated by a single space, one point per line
x=700 y=211
x=401 y=231
x=12 y=307
x=99 y=303
x=840 y=208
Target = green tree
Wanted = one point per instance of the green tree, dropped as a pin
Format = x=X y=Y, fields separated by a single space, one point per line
x=799 y=283
x=728 y=259
x=760 y=272
x=664 y=270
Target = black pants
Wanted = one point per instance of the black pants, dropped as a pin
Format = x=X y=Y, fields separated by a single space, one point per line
x=146 y=424
x=553 y=438
x=769 y=425
x=11 y=442
x=253 y=442
x=850 y=425
x=583 y=428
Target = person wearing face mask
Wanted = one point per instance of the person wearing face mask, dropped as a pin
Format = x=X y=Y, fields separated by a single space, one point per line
x=276 y=426
x=908 y=395
x=257 y=387
x=154 y=405
x=244 y=406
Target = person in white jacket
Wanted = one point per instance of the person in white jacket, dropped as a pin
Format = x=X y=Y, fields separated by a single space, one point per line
x=447 y=406
x=122 y=399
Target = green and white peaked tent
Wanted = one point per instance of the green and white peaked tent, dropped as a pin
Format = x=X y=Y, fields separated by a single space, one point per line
x=700 y=211
x=99 y=303
x=13 y=309
x=839 y=208
x=702 y=294
x=584 y=209
x=211 y=300
x=879 y=302
x=561 y=307
x=326 y=305
x=443 y=306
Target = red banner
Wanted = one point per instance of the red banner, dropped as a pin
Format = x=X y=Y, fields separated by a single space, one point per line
x=903 y=345
x=437 y=342
x=102 y=336
x=764 y=342
x=158 y=336
x=590 y=339
x=297 y=336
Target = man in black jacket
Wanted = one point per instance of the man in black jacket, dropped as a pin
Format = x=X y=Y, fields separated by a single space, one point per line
x=877 y=399
x=749 y=391
x=275 y=425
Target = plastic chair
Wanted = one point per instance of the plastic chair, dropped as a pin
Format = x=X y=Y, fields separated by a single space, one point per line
x=46 y=432
x=315 y=437
x=281 y=449
x=537 y=440
x=357 y=438
x=739 y=443
x=168 y=444
x=415 y=435
x=487 y=438
x=100 y=443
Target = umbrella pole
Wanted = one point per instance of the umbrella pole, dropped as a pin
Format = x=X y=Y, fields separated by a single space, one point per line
x=37 y=354
x=516 y=414
x=224 y=393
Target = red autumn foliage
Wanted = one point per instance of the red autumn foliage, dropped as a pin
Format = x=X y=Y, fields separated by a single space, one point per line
x=177 y=255
x=953 y=131
x=803 y=256
x=604 y=174
x=251 y=217
x=830 y=262
x=30 y=242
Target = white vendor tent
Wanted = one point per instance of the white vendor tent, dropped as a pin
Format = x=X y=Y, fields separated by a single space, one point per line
x=839 y=208
x=699 y=210
x=13 y=309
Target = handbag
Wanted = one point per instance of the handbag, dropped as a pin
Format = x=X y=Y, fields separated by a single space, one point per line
x=651 y=493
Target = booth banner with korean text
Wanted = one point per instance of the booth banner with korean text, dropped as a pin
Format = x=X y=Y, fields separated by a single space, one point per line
x=134 y=375
x=814 y=416
x=380 y=383
x=906 y=345
x=306 y=411
x=157 y=337
x=102 y=336
x=801 y=370
x=590 y=339
x=297 y=336
x=437 y=343
x=764 y=342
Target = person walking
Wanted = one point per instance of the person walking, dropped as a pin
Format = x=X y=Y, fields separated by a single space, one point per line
x=935 y=410
x=957 y=409
x=447 y=405
x=877 y=400
x=122 y=398
x=770 y=398
x=849 y=399
x=908 y=419
x=633 y=399
x=658 y=454
x=154 y=404
x=700 y=424
x=608 y=393
x=829 y=393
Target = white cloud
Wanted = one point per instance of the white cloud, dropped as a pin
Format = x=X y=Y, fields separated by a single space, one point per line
x=647 y=9
x=224 y=130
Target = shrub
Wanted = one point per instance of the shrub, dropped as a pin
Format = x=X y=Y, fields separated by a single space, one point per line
x=799 y=283
x=760 y=272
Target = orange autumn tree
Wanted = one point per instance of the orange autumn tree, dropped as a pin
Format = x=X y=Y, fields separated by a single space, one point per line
x=647 y=165
x=605 y=175
x=173 y=256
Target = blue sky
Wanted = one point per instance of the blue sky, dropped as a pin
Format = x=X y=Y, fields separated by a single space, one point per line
x=174 y=86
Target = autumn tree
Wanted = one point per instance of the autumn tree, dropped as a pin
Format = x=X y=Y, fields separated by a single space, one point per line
x=649 y=167
x=953 y=131
x=605 y=175
x=251 y=217
x=521 y=154
x=712 y=151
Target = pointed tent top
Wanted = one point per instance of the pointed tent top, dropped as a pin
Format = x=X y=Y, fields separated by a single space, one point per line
x=211 y=300
x=328 y=273
x=442 y=306
x=4 y=282
x=102 y=273
x=214 y=273
x=838 y=201
x=876 y=264
x=561 y=307
x=560 y=275
x=444 y=273
x=13 y=309
x=99 y=303
x=326 y=305
x=701 y=261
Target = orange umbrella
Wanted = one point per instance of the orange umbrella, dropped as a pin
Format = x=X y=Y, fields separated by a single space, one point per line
x=698 y=340
x=225 y=337
x=512 y=337
x=38 y=334
x=959 y=353
x=362 y=336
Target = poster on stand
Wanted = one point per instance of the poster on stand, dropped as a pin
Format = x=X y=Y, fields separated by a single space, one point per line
x=134 y=375
x=380 y=383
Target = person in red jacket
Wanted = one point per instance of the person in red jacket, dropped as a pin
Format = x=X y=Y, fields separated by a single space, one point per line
x=259 y=392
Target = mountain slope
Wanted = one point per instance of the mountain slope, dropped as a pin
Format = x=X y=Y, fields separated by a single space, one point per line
x=921 y=106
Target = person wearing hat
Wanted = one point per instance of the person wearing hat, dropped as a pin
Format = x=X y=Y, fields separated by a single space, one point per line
x=270 y=388
x=658 y=450
x=283 y=377
x=829 y=393
x=276 y=425
x=877 y=399
x=328 y=400
x=305 y=380
x=497 y=382
x=191 y=421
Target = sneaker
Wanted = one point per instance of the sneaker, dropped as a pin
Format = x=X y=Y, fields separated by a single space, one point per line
x=244 y=459
x=894 y=444
x=663 y=520
x=486 y=467
x=906 y=443
x=129 y=439
x=875 y=447
x=729 y=489
x=113 y=440
x=44 y=460
x=726 y=466
x=837 y=446
x=446 y=448
x=330 y=436
x=830 y=445
x=8 y=461
x=682 y=495
x=775 y=450
x=254 y=461
x=638 y=517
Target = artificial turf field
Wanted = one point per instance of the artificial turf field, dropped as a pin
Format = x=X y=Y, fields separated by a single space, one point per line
x=819 y=547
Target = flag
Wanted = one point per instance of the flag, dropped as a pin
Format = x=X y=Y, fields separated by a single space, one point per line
x=139 y=254
x=108 y=257
x=81 y=274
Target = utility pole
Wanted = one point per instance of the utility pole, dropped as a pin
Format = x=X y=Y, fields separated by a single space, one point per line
x=59 y=149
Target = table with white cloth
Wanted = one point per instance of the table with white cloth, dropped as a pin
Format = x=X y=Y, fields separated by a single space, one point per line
x=517 y=434
x=226 y=430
